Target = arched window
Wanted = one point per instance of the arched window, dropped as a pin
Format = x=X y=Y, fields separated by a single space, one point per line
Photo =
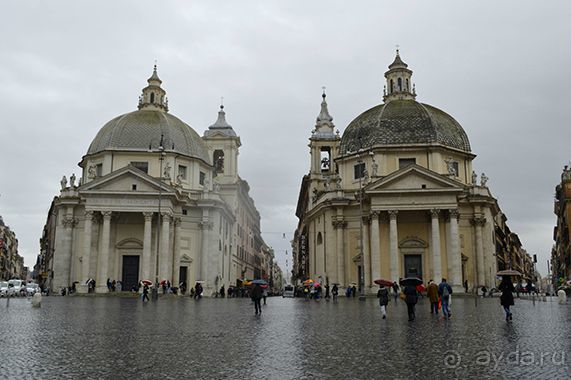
x=392 y=87
x=400 y=84
x=152 y=97
x=218 y=160
x=319 y=238
x=406 y=88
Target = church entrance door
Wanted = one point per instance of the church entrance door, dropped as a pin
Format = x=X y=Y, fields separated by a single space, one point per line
x=182 y=275
x=413 y=266
x=130 y=275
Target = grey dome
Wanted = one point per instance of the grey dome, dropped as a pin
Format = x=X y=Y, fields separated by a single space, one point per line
x=401 y=122
x=136 y=130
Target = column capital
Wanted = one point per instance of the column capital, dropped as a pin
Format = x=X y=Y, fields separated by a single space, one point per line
x=478 y=221
x=206 y=225
x=375 y=215
x=166 y=215
x=339 y=223
x=393 y=214
x=148 y=216
x=454 y=213
x=69 y=222
x=434 y=213
x=177 y=220
x=106 y=214
x=88 y=214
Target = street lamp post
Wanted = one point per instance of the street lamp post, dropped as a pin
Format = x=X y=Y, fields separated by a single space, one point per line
x=161 y=150
x=361 y=251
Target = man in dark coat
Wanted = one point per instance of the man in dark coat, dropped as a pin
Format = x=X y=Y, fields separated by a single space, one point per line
x=257 y=297
x=445 y=290
x=507 y=297
x=432 y=293
x=410 y=299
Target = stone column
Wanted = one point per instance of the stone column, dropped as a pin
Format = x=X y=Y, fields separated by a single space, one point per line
x=85 y=259
x=455 y=256
x=147 y=247
x=102 y=273
x=176 y=264
x=63 y=248
x=436 y=260
x=339 y=226
x=478 y=222
x=375 y=247
x=366 y=254
x=393 y=243
x=206 y=226
x=165 y=259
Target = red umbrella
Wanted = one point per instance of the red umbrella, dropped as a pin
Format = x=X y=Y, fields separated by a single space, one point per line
x=147 y=282
x=383 y=282
x=420 y=288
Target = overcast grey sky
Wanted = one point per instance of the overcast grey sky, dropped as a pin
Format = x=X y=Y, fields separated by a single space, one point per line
x=502 y=69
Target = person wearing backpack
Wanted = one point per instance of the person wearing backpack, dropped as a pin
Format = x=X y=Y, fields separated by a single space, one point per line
x=445 y=290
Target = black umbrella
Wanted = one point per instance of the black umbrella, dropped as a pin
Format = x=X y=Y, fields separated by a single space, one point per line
x=414 y=281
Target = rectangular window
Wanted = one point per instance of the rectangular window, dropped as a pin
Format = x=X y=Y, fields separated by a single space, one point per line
x=404 y=162
x=455 y=166
x=182 y=172
x=99 y=170
x=141 y=165
x=201 y=178
x=359 y=170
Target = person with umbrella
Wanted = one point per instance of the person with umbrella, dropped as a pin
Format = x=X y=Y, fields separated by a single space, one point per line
x=145 y=292
x=335 y=292
x=507 y=297
x=383 y=296
x=396 y=290
x=257 y=297
x=410 y=293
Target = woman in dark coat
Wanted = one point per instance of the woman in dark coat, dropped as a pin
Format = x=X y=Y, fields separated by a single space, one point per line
x=383 y=296
x=507 y=297
x=410 y=299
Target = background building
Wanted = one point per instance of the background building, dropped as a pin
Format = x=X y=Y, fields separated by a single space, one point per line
x=11 y=263
x=394 y=196
x=155 y=201
x=561 y=252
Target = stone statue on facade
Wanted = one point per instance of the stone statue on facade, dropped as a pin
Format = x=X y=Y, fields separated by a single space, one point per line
x=216 y=187
x=178 y=180
x=327 y=183
x=483 y=180
x=72 y=180
x=474 y=178
x=91 y=172
x=450 y=167
x=63 y=182
x=374 y=168
x=338 y=183
x=167 y=171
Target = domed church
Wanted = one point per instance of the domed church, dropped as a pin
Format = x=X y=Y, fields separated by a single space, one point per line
x=156 y=201
x=395 y=196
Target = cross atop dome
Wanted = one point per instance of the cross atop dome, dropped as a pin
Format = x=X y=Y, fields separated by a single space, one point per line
x=153 y=96
x=399 y=85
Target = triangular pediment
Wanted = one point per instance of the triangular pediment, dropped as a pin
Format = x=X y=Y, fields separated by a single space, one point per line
x=414 y=178
x=127 y=179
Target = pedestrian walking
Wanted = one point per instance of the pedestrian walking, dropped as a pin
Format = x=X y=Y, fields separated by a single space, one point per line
x=432 y=294
x=335 y=292
x=507 y=297
x=257 y=297
x=146 y=293
x=326 y=291
x=445 y=290
x=410 y=299
x=383 y=296
x=264 y=294
x=396 y=289
x=222 y=291
x=354 y=291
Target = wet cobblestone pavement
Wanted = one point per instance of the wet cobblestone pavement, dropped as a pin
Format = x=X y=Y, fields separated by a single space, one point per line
x=175 y=338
